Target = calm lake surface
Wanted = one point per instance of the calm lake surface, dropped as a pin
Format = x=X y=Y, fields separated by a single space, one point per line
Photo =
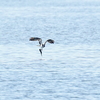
x=68 y=69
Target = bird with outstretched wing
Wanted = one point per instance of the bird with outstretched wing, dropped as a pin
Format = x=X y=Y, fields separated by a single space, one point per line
x=40 y=42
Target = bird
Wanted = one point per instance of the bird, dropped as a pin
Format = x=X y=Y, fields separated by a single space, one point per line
x=42 y=45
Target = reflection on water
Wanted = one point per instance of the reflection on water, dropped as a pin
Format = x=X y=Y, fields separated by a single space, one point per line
x=68 y=70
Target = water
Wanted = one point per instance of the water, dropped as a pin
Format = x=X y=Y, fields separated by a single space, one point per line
x=68 y=69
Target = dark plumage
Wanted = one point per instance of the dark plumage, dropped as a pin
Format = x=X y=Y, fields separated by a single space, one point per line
x=40 y=42
x=50 y=41
x=36 y=39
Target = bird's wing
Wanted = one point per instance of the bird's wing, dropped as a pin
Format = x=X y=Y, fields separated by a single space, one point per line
x=36 y=39
x=50 y=41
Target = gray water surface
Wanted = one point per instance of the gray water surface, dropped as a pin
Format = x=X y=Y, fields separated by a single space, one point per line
x=68 y=69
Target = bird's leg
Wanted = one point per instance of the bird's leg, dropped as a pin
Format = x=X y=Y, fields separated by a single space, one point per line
x=40 y=51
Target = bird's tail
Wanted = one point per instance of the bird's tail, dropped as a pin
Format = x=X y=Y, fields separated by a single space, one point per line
x=40 y=51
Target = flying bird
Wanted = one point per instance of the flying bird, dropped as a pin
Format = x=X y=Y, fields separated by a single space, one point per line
x=42 y=45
